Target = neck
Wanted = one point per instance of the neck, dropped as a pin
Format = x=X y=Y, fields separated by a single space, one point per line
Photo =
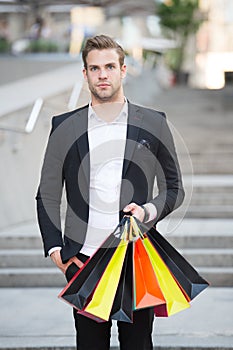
x=108 y=111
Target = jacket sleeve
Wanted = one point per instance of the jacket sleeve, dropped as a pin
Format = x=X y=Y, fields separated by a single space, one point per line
x=49 y=193
x=169 y=180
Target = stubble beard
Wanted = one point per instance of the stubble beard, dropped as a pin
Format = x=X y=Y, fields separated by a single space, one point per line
x=107 y=95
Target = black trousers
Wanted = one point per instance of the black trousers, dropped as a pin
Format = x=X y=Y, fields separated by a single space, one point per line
x=92 y=335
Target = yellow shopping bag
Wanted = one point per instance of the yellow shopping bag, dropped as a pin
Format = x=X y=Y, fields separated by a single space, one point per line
x=103 y=297
x=175 y=299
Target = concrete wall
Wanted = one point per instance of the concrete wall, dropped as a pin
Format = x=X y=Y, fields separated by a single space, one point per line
x=21 y=154
x=20 y=163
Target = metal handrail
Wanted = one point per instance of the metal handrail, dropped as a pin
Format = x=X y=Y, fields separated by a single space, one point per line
x=29 y=127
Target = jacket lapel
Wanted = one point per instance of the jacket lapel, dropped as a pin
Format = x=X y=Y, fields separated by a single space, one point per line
x=134 y=123
x=80 y=128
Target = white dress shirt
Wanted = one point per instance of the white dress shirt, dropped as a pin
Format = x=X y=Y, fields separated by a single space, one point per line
x=107 y=147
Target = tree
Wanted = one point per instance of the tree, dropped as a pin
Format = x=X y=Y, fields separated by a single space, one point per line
x=179 y=19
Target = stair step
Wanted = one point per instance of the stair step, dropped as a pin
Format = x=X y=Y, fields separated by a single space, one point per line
x=24 y=258
x=199 y=242
x=52 y=277
x=185 y=233
x=34 y=258
x=8 y=241
x=217 y=276
x=210 y=196
x=211 y=180
x=212 y=199
x=186 y=239
x=32 y=277
x=209 y=257
x=209 y=211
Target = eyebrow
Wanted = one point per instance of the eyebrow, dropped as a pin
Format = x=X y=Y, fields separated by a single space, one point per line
x=107 y=64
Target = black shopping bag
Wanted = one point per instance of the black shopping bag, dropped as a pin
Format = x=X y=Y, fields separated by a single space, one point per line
x=122 y=309
x=185 y=274
x=81 y=286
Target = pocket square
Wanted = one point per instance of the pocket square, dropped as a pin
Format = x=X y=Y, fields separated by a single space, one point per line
x=143 y=143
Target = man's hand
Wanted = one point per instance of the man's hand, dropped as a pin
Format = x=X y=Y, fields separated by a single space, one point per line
x=136 y=211
x=56 y=258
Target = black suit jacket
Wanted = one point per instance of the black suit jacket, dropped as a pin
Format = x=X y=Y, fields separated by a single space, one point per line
x=150 y=157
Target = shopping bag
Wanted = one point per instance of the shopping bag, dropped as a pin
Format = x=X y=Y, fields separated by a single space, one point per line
x=122 y=309
x=173 y=295
x=185 y=274
x=133 y=269
x=103 y=297
x=81 y=286
x=175 y=299
x=146 y=287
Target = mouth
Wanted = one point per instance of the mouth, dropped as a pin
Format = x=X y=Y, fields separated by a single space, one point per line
x=103 y=85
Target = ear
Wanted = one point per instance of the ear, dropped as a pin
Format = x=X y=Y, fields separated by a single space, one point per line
x=123 y=71
x=85 y=73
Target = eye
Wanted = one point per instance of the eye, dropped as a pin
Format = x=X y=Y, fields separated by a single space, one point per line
x=93 y=69
x=110 y=67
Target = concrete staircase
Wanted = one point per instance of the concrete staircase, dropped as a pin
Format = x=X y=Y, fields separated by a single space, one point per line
x=211 y=196
x=210 y=253
x=22 y=263
x=206 y=243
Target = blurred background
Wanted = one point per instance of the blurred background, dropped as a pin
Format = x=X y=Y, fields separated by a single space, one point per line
x=180 y=60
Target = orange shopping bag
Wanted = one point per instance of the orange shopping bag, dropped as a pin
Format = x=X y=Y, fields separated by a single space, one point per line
x=146 y=288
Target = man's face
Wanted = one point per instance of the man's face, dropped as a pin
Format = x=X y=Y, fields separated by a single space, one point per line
x=104 y=76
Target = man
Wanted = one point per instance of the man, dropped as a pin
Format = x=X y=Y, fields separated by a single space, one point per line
x=108 y=155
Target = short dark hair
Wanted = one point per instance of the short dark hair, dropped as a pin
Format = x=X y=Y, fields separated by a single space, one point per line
x=101 y=42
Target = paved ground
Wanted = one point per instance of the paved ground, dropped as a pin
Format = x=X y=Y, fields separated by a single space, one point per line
x=35 y=318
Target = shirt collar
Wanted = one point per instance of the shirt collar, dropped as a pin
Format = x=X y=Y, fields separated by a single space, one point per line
x=121 y=117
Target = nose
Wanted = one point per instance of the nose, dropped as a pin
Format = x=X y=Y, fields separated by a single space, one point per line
x=103 y=74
